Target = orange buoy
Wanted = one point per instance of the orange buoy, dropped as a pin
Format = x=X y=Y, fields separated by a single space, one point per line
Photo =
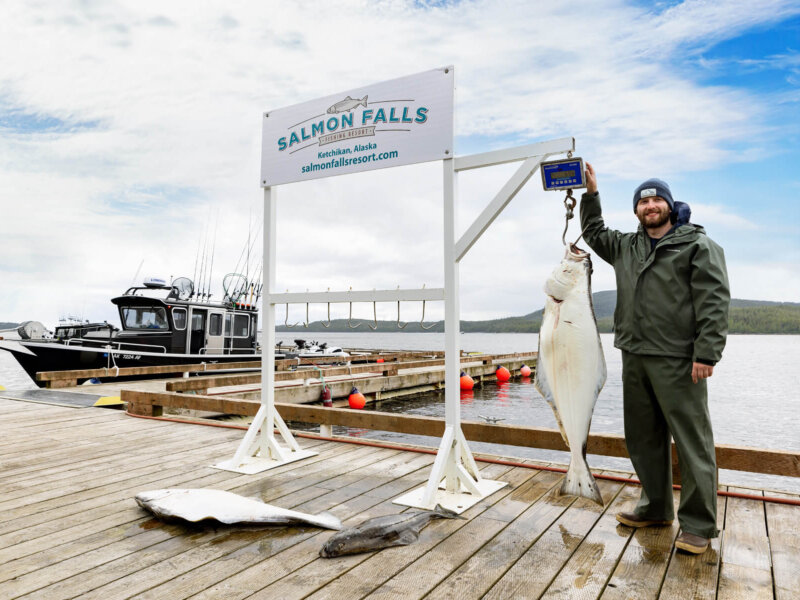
x=380 y=360
x=467 y=383
x=356 y=399
x=502 y=374
x=525 y=371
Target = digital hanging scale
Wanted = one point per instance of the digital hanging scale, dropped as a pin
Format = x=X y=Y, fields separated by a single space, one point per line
x=563 y=174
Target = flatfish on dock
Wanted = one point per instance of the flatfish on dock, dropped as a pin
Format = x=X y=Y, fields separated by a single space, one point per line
x=199 y=504
x=382 y=532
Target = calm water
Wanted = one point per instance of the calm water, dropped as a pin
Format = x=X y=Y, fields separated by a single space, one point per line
x=753 y=395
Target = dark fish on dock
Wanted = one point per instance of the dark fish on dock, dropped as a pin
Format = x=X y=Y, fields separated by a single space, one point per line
x=571 y=368
x=383 y=532
x=199 y=504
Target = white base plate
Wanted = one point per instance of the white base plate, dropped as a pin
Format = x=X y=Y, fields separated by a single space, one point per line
x=458 y=502
x=256 y=464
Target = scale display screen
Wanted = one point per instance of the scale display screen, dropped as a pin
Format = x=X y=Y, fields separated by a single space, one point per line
x=563 y=174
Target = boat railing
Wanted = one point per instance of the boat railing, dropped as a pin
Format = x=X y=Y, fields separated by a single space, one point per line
x=228 y=351
x=152 y=347
x=116 y=345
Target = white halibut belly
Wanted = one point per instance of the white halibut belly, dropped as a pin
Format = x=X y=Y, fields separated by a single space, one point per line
x=571 y=364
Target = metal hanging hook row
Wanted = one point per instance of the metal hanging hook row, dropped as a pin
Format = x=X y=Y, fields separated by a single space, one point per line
x=569 y=204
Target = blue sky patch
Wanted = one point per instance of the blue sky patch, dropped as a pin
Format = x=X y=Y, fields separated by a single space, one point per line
x=20 y=121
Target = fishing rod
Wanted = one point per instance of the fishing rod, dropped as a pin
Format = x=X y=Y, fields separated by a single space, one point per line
x=194 y=276
x=203 y=261
x=249 y=247
x=246 y=245
x=213 y=251
x=256 y=286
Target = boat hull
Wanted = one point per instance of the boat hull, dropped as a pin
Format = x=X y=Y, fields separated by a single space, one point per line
x=52 y=356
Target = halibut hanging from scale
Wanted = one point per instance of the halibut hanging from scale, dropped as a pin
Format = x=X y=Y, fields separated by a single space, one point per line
x=571 y=368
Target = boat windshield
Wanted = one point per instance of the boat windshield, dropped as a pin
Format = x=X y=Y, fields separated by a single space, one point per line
x=144 y=317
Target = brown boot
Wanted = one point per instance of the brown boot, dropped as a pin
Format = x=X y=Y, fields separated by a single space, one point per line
x=633 y=520
x=690 y=542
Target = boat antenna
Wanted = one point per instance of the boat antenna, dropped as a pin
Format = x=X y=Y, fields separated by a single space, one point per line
x=136 y=275
x=213 y=250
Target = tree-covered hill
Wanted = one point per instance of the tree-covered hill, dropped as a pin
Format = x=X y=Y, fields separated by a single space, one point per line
x=746 y=316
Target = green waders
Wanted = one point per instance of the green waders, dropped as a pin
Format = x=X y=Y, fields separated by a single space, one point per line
x=660 y=399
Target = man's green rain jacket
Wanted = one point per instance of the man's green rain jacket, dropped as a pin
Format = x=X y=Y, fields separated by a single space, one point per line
x=672 y=300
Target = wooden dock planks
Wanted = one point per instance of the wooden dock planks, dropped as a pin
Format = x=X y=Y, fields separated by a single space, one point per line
x=69 y=526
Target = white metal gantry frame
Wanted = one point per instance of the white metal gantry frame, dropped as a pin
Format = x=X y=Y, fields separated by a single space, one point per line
x=455 y=482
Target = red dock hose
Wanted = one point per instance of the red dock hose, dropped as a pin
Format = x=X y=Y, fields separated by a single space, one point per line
x=494 y=461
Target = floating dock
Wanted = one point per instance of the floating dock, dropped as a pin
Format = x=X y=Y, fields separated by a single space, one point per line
x=69 y=526
x=378 y=375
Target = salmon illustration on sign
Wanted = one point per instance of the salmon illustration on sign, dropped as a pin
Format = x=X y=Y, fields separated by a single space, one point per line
x=347 y=105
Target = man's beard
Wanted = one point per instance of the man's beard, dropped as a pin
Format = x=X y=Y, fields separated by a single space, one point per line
x=654 y=224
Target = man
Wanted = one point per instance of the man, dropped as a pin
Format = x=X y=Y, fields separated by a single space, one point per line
x=671 y=322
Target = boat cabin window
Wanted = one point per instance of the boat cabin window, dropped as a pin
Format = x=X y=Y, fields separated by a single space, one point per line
x=215 y=324
x=179 y=318
x=241 y=325
x=144 y=317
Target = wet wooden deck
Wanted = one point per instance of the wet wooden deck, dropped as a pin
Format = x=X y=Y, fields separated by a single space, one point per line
x=69 y=526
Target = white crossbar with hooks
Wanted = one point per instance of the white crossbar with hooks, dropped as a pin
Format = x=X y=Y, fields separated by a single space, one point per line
x=454 y=482
x=431 y=294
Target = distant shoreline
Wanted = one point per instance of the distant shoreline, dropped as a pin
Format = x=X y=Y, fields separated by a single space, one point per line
x=746 y=317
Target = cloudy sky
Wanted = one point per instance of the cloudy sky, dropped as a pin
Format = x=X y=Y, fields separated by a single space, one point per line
x=130 y=133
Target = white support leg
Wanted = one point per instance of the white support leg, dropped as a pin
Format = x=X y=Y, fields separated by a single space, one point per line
x=455 y=482
x=260 y=449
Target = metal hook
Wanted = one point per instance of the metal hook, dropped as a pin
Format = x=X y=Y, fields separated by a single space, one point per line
x=328 y=324
x=350 y=318
x=286 y=320
x=569 y=204
x=399 y=326
x=422 y=320
x=306 y=323
x=374 y=316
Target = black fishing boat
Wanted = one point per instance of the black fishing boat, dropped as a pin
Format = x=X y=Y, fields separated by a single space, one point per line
x=162 y=324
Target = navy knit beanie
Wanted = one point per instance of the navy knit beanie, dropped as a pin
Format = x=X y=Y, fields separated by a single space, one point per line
x=653 y=187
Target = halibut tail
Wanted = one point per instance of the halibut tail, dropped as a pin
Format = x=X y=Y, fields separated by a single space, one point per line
x=579 y=481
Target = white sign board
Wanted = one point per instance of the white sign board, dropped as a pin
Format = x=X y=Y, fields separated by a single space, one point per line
x=398 y=122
